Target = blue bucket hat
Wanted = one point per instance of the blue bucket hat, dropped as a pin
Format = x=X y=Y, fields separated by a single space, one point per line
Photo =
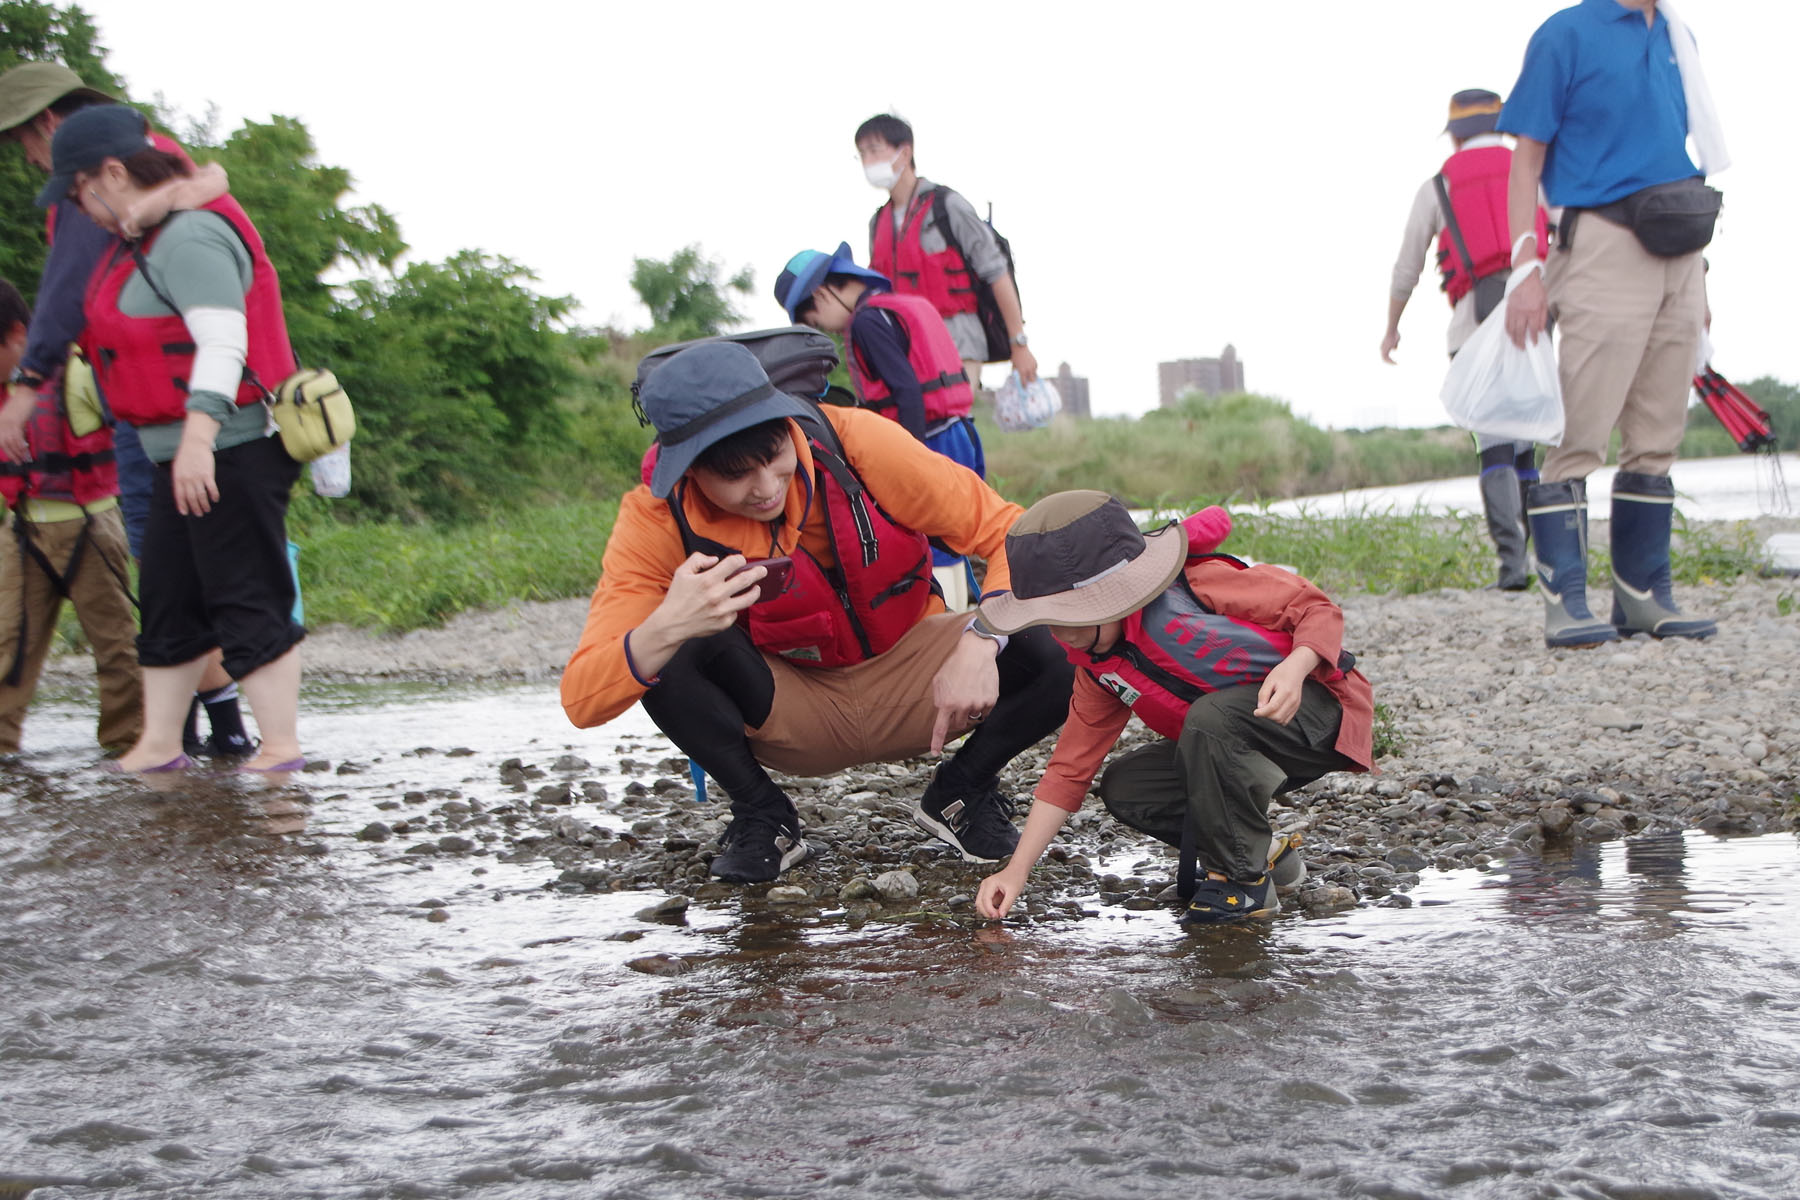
x=87 y=138
x=703 y=394
x=808 y=269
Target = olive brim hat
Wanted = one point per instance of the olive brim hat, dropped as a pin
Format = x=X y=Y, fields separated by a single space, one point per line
x=1077 y=558
x=30 y=88
x=705 y=393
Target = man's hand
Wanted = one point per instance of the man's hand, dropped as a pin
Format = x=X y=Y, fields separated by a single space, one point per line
x=998 y=892
x=964 y=689
x=21 y=401
x=192 y=478
x=1025 y=363
x=1279 y=697
x=1389 y=344
x=1527 y=310
x=704 y=598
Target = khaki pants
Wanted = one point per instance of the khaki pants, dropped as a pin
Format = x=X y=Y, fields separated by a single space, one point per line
x=101 y=604
x=879 y=710
x=1629 y=324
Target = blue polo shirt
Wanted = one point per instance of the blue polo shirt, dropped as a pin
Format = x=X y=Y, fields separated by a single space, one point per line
x=1602 y=91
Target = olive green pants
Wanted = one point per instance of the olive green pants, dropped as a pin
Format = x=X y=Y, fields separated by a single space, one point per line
x=1221 y=773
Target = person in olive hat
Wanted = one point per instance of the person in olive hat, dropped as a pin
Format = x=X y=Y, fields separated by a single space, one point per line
x=35 y=99
x=849 y=659
x=1240 y=668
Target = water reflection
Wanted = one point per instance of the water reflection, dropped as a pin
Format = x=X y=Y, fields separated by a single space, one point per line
x=220 y=990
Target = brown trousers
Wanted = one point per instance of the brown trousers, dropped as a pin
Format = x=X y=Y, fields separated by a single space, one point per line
x=1629 y=324
x=102 y=605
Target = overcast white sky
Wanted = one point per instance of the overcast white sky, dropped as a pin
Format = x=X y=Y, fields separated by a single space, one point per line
x=1172 y=177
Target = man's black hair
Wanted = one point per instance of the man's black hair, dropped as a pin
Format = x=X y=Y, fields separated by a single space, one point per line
x=75 y=102
x=888 y=128
x=12 y=308
x=738 y=452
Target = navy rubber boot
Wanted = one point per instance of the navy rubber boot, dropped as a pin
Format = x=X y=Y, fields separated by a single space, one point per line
x=1558 y=515
x=1643 y=510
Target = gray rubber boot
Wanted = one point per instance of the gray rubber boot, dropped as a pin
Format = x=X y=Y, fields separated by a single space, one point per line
x=1506 y=525
x=1558 y=515
x=1643 y=510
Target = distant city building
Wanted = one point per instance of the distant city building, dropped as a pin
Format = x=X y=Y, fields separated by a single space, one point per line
x=1213 y=376
x=1073 y=389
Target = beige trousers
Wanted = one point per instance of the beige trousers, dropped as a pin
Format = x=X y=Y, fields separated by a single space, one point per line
x=1629 y=328
x=101 y=605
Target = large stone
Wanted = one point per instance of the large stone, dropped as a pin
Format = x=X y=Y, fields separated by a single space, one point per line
x=897 y=886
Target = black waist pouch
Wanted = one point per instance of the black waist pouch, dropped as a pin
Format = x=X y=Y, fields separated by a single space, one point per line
x=1670 y=219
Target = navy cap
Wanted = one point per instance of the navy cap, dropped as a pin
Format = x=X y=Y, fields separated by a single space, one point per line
x=808 y=269
x=88 y=137
x=1473 y=111
x=703 y=394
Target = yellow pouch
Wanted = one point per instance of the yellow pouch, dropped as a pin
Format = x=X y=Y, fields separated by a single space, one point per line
x=81 y=394
x=313 y=414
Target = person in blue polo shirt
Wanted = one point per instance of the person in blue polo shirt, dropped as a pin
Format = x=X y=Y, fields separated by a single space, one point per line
x=1608 y=95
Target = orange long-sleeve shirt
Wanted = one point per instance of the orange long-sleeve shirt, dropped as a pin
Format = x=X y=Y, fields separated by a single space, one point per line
x=1264 y=595
x=923 y=491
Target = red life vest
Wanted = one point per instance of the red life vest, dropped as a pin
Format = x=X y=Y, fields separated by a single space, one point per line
x=1175 y=649
x=143 y=363
x=942 y=278
x=929 y=351
x=835 y=616
x=1476 y=180
x=80 y=470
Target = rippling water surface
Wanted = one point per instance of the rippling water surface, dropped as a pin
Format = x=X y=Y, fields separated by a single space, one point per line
x=218 y=991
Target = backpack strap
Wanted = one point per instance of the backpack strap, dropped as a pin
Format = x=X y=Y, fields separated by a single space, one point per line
x=1462 y=247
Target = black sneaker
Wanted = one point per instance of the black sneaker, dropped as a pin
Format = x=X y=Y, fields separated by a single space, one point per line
x=757 y=847
x=1217 y=900
x=978 y=825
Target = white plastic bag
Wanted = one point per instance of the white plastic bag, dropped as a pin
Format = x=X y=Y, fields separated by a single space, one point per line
x=1497 y=389
x=331 y=473
x=1019 y=406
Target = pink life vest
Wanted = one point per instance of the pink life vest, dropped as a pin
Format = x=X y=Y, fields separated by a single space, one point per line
x=143 y=363
x=929 y=351
x=833 y=616
x=1174 y=650
x=943 y=278
x=1477 y=183
x=62 y=467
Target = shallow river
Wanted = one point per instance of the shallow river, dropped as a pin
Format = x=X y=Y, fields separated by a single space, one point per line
x=219 y=991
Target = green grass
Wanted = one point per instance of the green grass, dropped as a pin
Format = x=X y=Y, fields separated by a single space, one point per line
x=392 y=577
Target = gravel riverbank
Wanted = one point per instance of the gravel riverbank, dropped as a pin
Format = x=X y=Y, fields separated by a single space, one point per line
x=1500 y=744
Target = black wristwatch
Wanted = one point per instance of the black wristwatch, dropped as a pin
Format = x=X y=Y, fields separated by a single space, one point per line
x=28 y=378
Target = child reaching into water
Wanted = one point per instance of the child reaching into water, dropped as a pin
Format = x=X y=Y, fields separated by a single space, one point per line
x=1240 y=668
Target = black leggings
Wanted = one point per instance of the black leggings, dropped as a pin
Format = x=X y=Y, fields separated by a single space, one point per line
x=713 y=687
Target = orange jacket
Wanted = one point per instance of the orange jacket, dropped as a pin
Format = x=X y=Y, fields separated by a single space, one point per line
x=920 y=489
x=1268 y=596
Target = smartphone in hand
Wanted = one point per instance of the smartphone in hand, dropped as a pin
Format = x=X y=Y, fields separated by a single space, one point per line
x=773 y=584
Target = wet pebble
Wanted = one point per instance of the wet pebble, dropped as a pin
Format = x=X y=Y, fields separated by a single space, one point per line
x=896 y=886
x=660 y=964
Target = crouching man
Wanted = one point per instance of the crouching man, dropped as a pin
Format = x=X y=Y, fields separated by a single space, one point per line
x=1240 y=669
x=851 y=657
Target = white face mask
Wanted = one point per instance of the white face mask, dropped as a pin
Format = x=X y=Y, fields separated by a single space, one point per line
x=883 y=175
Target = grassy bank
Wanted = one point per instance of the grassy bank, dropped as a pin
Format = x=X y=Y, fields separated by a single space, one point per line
x=394 y=577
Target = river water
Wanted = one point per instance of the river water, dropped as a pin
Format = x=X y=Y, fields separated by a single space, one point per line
x=218 y=990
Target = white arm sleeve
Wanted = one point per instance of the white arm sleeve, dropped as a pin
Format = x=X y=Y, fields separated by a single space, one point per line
x=221 y=340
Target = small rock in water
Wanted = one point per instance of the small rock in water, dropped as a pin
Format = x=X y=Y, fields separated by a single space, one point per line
x=669 y=906
x=660 y=964
x=897 y=885
x=570 y=762
x=860 y=888
x=788 y=894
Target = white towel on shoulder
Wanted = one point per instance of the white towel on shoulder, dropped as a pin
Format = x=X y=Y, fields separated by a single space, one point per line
x=1703 y=115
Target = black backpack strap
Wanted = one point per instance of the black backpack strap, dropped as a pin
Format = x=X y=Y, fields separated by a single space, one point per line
x=1449 y=211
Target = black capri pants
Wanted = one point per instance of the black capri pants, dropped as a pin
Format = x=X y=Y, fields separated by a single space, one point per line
x=222 y=579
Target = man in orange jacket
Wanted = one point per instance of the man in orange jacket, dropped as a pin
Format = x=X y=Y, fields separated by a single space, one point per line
x=853 y=658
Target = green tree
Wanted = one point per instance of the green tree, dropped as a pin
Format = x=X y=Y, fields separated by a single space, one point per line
x=296 y=204
x=685 y=296
x=31 y=31
x=457 y=370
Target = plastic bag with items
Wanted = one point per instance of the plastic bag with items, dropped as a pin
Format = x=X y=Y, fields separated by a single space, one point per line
x=1497 y=389
x=1019 y=406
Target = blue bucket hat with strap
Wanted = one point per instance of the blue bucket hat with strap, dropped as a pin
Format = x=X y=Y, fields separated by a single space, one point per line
x=705 y=393
x=808 y=269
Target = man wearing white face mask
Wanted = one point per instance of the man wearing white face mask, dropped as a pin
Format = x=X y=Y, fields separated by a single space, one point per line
x=929 y=241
